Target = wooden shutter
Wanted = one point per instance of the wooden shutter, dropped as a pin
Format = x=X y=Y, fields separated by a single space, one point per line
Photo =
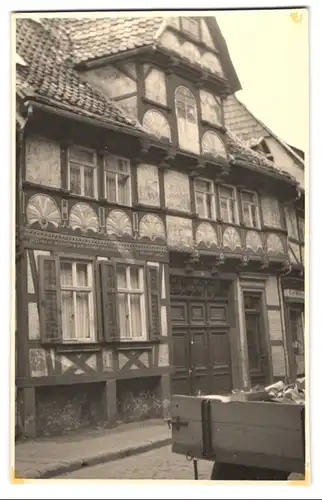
x=154 y=309
x=109 y=301
x=50 y=299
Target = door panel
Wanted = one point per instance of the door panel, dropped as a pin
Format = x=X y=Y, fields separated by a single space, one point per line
x=181 y=379
x=220 y=361
x=199 y=361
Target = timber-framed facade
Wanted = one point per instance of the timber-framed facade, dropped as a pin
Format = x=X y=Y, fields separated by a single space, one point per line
x=152 y=244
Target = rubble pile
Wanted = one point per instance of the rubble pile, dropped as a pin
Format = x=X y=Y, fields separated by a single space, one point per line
x=287 y=393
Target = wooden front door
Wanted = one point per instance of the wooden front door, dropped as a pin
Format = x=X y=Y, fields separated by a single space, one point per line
x=200 y=336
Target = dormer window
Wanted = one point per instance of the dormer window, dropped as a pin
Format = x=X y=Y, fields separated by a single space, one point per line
x=190 y=26
x=186 y=111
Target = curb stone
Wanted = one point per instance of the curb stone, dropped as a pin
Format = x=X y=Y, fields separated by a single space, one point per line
x=76 y=464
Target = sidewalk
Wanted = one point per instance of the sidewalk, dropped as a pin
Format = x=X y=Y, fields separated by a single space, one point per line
x=49 y=457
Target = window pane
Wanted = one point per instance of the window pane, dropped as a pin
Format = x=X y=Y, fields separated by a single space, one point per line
x=81 y=271
x=232 y=211
x=224 y=210
x=246 y=212
x=202 y=185
x=123 y=315
x=123 y=189
x=136 y=315
x=121 y=277
x=68 y=319
x=75 y=178
x=82 y=311
x=200 y=204
x=110 y=179
x=226 y=192
x=248 y=197
x=66 y=276
x=134 y=273
x=88 y=181
x=254 y=215
x=209 y=205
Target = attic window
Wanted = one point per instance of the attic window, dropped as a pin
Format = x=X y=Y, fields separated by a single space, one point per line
x=190 y=26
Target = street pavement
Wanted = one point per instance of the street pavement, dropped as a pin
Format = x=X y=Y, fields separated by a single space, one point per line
x=160 y=463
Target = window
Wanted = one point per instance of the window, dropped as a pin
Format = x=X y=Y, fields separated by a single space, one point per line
x=76 y=280
x=205 y=198
x=117 y=180
x=131 y=302
x=186 y=111
x=250 y=209
x=82 y=172
x=228 y=204
x=190 y=26
x=66 y=303
x=291 y=222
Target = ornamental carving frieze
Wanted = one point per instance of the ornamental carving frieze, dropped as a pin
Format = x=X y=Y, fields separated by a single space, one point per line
x=274 y=245
x=152 y=227
x=254 y=242
x=231 y=239
x=206 y=235
x=118 y=224
x=83 y=217
x=43 y=210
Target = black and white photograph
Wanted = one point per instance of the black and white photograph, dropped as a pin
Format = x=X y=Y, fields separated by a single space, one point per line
x=160 y=245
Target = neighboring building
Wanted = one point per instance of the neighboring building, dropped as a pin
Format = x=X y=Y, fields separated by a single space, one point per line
x=151 y=241
x=260 y=138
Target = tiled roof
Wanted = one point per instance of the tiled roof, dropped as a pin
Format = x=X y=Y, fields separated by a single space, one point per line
x=241 y=151
x=94 y=38
x=49 y=77
x=240 y=122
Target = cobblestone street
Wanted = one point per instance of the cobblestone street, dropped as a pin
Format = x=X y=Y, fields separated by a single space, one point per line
x=156 y=464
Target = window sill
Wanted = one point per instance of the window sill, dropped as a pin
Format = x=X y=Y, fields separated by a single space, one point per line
x=78 y=347
x=81 y=197
x=136 y=344
x=104 y=201
x=205 y=219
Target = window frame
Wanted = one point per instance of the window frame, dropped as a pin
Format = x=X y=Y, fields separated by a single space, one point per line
x=90 y=289
x=128 y=291
x=115 y=158
x=258 y=219
x=236 y=212
x=212 y=193
x=82 y=165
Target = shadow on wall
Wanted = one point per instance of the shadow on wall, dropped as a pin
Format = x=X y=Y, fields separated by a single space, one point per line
x=139 y=399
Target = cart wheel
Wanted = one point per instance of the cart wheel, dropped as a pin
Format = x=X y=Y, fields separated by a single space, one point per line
x=233 y=472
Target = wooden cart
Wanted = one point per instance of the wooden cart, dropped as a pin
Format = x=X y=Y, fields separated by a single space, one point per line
x=247 y=440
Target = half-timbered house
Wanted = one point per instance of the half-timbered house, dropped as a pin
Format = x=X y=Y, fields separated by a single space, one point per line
x=151 y=240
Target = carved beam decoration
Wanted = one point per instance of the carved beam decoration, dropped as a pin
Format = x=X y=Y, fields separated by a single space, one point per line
x=202 y=80
x=264 y=265
x=219 y=261
x=286 y=267
x=196 y=170
x=242 y=265
x=167 y=159
x=144 y=148
x=192 y=261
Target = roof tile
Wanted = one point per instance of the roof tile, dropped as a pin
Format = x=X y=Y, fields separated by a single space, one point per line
x=49 y=76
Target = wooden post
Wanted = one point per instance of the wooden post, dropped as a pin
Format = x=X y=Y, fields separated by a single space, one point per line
x=110 y=402
x=29 y=412
x=165 y=394
x=243 y=354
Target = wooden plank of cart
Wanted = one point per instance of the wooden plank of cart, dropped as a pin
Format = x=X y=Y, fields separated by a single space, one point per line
x=246 y=440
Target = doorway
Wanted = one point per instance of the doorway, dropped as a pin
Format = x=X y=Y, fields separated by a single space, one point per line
x=200 y=336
